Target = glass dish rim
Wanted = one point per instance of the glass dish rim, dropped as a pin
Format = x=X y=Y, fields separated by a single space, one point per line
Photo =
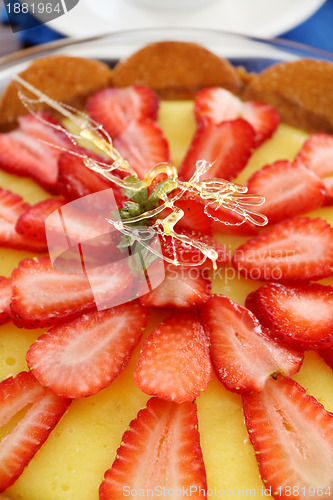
x=297 y=49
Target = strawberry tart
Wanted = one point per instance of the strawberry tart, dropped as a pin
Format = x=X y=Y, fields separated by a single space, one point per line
x=217 y=382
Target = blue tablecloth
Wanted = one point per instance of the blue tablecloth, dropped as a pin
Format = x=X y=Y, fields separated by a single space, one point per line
x=317 y=31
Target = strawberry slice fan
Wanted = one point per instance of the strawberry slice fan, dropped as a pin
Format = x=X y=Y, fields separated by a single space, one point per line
x=124 y=238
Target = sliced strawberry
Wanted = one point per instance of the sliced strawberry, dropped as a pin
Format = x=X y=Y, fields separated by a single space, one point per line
x=76 y=180
x=291 y=433
x=5 y=297
x=143 y=145
x=317 y=155
x=16 y=393
x=328 y=183
x=114 y=108
x=194 y=214
x=296 y=249
x=227 y=145
x=12 y=207
x=64 y=361
x=289 y=189
x=20 y=445
x=29 y=151
x=68 y=224
x=40 y=126
x=327 y=355
x=31 y=224
x=263 y=118
x=299 y=315
x=174 y=362
x=220 y=105
x=185 y=254
x=42 y=296
x=160 y=452
x=182 y=287
x=242 y=354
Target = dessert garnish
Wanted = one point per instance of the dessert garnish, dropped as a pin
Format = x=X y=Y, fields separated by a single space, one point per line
x=215 y=193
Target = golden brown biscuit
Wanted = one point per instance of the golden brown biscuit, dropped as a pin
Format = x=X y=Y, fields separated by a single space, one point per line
x=176 y=70
x=66 y=79
x=302 y=92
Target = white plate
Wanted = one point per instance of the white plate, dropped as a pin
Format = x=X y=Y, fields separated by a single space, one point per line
x=264 y=18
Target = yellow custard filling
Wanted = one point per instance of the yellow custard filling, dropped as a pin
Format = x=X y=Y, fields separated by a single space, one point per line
x=71 y=464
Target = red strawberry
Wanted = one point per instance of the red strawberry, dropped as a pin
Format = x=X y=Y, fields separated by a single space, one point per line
x=174 y=362
x=299 y=315
x=19 y=446
x=12 y=207
x=194 y=213
x=69 y=224
x=289 y=189
x=143 y=145
x=296 y=249
x=64 y=361
x=209 y=217
x=42 y=296
x=16 y=393
x=160 y=452
x=206 y=218
x=292 y=435
x=328 y=183
x=114 y=108
x=185 y=254
x=317 y=155
x=24 y=151
x=327 y=355
x=220 y=105
x=227 y=145
x=263 y=118
x=182 y=287
x=243 y=356
x=5 y=296
x=76 y=180
x=31 y=224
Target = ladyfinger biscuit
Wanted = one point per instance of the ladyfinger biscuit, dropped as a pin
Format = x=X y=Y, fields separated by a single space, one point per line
x=302 y=92
x=176 y=70
x=65 y=79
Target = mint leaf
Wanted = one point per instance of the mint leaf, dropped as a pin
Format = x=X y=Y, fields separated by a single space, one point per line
x=165 y=187
x=141 y=259
x=139 y=196
x=131 y=209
